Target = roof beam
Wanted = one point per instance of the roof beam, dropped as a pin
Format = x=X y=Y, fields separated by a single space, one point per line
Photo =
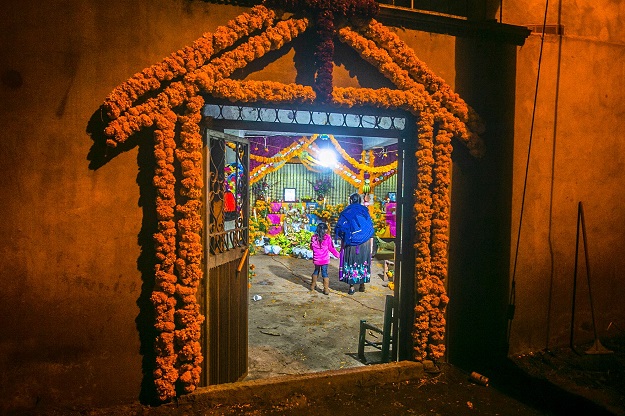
x=452 y=25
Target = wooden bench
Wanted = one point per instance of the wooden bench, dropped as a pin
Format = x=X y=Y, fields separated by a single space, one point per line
x=387 y=333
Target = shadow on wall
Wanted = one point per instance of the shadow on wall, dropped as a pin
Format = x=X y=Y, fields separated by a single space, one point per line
x=366 y=74
x=99 y=155
x=479 y=261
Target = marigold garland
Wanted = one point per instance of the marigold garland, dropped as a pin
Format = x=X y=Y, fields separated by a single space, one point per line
x=423 y=215
x=190 y=250
x=294 y=150
x=360 y=166
x=186 y=60
x=204 y=78
x=453 y=109
x=165 y=373
x=311 y=166
x=297 y=149
x=206 y=67
x=441 y=205
x=405 y=56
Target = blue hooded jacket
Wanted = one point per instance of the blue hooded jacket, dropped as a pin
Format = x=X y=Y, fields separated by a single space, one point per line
x=354 y=225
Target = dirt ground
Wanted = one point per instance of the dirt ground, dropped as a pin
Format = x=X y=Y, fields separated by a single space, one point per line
x=587 y=377
x=294 y=331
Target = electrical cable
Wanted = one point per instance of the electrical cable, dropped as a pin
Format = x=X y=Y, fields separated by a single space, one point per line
x=553 y=162
x=512 y=299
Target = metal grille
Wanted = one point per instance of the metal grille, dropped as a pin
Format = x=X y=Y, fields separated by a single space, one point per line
x=227 y=225
x=305 y=117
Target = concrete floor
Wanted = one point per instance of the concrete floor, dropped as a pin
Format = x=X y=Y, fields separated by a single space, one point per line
x=295 y=331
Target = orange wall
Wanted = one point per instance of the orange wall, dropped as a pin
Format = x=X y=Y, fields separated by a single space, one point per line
x=70 y=281
x=74 y=250
x=577 y=155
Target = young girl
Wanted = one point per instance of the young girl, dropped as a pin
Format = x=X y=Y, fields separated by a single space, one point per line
x=321 y=246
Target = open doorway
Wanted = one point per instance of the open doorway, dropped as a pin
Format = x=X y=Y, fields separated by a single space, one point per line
x=291 y=329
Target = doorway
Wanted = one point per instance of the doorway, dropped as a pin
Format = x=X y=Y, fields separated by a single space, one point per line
x=290 y=329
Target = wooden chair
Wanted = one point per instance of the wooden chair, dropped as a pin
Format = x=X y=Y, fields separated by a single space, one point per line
x=387 y=333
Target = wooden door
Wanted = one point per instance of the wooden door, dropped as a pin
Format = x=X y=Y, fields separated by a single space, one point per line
x=225 y=290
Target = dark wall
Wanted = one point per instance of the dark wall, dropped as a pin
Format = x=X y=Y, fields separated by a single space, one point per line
x=481 y=201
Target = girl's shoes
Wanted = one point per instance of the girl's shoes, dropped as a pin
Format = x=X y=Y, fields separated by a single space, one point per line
x=313 y=282
x=326 y=285
x=351 y=290
x=362 y=287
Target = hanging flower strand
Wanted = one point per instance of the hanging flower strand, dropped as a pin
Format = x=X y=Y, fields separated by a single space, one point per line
x=324 y=55
x=441 y=205
x=165 y=372
x=189 y=262
x=423 y=215
x=325 y=13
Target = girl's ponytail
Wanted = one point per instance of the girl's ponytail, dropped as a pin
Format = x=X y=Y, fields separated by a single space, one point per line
x=322 y=230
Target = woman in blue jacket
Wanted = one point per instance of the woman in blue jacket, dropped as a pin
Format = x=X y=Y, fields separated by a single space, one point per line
x=355 y=229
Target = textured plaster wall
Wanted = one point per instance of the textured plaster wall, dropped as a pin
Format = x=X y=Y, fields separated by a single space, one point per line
x=74 y=302
x=577 y=155
x=69 y=275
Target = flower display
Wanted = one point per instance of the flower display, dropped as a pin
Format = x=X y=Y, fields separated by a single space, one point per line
x=322 y=186
x=330 y=213
x=308 y=152
x=168 y=98
x=379 y=219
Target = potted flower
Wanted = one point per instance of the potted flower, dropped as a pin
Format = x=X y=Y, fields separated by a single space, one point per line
x=321 y=187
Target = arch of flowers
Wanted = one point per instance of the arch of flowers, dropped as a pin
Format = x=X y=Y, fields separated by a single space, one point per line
x=306 y=150
x=203 y=69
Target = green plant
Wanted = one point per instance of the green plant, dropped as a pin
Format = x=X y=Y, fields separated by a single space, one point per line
x=282 y=241
x=300 y=238
x=288 y=242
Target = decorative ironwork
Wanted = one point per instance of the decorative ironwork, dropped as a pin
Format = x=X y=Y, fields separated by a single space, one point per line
x=227 y=193
x=391 y=123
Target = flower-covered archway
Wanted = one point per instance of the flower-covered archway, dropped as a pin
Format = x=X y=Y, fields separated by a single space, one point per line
x=177 y=86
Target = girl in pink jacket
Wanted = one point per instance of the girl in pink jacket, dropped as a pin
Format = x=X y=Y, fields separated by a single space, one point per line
x=321 y=246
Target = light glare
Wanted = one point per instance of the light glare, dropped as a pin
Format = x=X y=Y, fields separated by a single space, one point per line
x=327 y=158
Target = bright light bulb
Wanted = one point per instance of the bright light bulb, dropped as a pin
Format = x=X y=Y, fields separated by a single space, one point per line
x=327 y=158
